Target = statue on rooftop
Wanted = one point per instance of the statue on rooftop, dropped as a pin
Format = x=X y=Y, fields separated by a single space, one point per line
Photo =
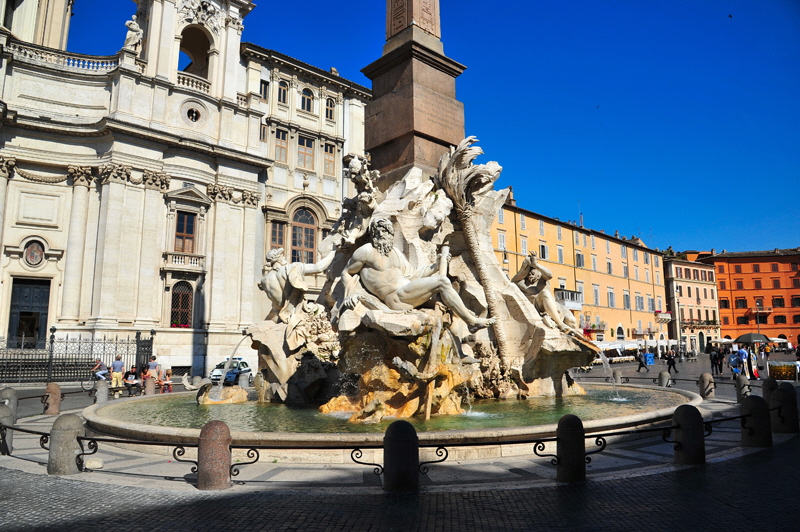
x=134 y=36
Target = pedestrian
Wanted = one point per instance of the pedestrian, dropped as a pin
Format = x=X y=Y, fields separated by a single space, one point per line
x=642 y=362
x=131 y=381
x=152 y=365
x=117 y=367
x=671 y=362
x=101 y=369
x=713 y=358
x=721 y=362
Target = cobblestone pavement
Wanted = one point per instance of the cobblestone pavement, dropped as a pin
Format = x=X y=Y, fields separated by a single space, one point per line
x=631 y=486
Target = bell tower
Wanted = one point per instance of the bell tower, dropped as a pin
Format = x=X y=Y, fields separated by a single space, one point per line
x=208 y=32
x=414 y=116
x=42 y=22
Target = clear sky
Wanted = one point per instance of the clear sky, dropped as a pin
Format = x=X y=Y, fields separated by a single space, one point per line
x=674 y=120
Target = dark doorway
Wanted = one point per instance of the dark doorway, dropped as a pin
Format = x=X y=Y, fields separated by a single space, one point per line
x=27 y=322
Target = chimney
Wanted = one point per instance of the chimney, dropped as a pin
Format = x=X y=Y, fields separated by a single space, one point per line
x=713 y=251
x=616 y=234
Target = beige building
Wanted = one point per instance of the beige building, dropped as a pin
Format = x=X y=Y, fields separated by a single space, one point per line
x=614 y=285
x=692 y=298
x=141 y=191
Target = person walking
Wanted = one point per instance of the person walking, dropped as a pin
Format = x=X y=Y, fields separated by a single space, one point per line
x=671 y=362
x=713 y=358
x=642 y=362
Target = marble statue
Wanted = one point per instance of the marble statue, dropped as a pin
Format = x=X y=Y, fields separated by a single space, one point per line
x=387 y=275
x=134 y=36
x=358 y=210
x=533 y=279
x=285 y=283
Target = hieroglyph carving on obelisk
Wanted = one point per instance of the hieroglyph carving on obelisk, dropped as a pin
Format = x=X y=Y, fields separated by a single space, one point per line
x=401 y=14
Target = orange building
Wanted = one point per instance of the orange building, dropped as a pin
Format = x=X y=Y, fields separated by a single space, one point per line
x=759 y=291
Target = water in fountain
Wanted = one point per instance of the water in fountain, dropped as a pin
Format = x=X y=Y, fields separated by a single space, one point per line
x=609 y=373
x=215 y=394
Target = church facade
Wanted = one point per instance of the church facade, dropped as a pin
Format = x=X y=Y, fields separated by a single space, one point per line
x=141 y=191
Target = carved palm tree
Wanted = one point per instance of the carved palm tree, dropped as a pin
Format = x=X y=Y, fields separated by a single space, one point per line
x=463 y=181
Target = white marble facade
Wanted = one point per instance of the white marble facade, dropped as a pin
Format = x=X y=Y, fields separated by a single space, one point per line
x=124 y=181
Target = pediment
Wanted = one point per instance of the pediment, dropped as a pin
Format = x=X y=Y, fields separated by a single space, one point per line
x=188 y=194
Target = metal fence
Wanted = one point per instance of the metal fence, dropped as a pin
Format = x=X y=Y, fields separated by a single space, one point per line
x=67 y=359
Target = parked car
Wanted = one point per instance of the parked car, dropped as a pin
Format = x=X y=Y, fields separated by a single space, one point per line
x=239 y=370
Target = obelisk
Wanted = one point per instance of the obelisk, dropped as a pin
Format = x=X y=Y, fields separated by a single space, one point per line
x=414 y=116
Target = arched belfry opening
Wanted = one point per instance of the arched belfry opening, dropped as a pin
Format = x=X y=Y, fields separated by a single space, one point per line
x=195 y=51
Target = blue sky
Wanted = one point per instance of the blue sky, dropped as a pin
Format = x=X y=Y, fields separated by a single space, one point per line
x=674 y=120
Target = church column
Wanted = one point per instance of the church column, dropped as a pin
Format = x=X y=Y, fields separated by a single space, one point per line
x=148 y=312
x=76 y=244
x=6 y=169
x=249 y=238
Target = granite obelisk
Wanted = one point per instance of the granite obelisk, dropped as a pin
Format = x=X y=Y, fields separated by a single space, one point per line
x=414 y=116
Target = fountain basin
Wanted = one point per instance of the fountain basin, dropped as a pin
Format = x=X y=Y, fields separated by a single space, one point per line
x=334 y=447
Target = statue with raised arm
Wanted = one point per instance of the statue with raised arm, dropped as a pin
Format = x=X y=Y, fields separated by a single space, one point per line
x=134 y=36
x=393 y=284
x=285 y=283
x=534 y=281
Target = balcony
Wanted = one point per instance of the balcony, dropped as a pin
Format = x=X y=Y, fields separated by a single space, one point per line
x=184 y=262
x=663 y=317
x=589 y=328
x=760 y=310
x=571 y=299
x=193 y=82
x=699 y=324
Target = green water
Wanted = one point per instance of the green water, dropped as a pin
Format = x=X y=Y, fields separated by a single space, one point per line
x=183 y=411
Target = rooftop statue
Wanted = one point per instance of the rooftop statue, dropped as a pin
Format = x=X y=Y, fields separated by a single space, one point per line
x=134 y=36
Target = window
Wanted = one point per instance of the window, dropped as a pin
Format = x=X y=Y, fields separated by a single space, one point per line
x=609 y=268
x=678 y=272
x=184 y=232
x=560 y=251
x=721 y=269
x=626 y=300
x=757 y=283
x=761 y=319
x=578 y=259
x=774 y=267
x=647 y=258
x=608 y=246
x=263 y=132
x=584 y=240
x=696 y=275
x=660 y=308
x=304 y=228
x=636 y=272
x=501 y=217
x=724 y=303
x=647 y=276
x=305 y=153
x=778 y=302
x=635 y=254
x=558 y=231
x=703 y=275
x=795 y=266
x=283 y=92
x=796 y=301
x=742 y=320
x=263 y=89
x=277 y=238
x=776 y=283
x=541 y=227
x=330 y=160
x=795 y=283
x=620 y=333
x=658 y=278
x=623 y=251
x=741 y=303
x=330 y=107
x=577 y=239
x=739 y=285
x=725 y=320
x=722 y=285
x=611 y=299
x=759 y=301
x=543 y=251
x=593 y=242
x=711 y=276
x=281 y=145
x=594 y=263
x=596 y=294
x=756 y=268
x=651 y=304
x=737 y=268
x=307 y=100
x=689 y=291
x=796 y=318
x=625 y=270
x=501 y=240
x=705 y=293
x=780 y=319
x=181 y=311
x=523 y=245
x=639 y=300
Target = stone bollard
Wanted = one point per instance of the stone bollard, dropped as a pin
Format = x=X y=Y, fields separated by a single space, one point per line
x=768 y=386
x=757 y=428
x=784 y=421
x=706 y=386
x=571 y=449
x=690 y=442
x=52 y=399
x=10 y=397
x=196 y=380
x=214 y=457
x=150 y=387
x=400 y=457
x=742 y=388
x=663 y=379
x=101 y=392
x=7 y=418
x=64 y=445
x=616 y=376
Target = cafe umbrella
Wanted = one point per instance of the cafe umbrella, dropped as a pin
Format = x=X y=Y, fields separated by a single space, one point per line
x=752 y=338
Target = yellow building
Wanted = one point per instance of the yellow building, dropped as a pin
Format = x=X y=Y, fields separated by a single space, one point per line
x=614 y=285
